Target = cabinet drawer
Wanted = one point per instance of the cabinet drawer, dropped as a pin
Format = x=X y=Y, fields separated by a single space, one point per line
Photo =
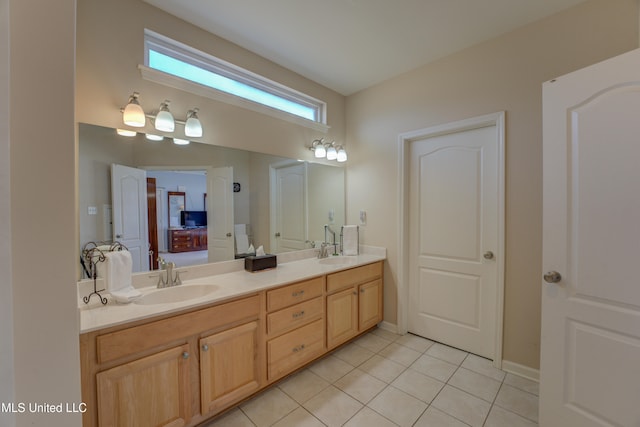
x=294 y=349
x=134 y=340
x=295 y=293
x=353 y=276
x=294 y=316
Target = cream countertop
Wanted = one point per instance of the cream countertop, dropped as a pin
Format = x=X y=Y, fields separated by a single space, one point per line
x=229 y=285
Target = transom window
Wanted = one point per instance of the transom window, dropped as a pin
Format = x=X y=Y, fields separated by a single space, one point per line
x=182 y=61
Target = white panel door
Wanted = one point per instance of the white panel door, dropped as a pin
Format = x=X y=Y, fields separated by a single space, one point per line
x=454 y=238
x=220 y=215
x=590 y=349
x=291 y=208
x=129 y=201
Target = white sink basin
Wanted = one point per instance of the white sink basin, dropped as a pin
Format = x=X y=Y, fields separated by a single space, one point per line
x=335 y=260
x=176 y=294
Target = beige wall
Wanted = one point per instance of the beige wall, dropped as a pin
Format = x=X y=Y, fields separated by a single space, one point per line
x=43 y=210
x=110 y=48
x=503 y=74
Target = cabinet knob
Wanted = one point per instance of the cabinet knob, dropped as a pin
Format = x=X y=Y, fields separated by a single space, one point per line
x=298 y=314
x=298 y=348
x=205 y=347
x=185 y=355
x=298 y=293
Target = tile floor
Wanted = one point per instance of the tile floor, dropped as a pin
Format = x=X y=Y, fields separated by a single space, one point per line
x=383 y=379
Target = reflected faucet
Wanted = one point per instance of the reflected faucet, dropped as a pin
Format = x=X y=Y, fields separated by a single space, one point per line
x=168 y=280
x=327 y=228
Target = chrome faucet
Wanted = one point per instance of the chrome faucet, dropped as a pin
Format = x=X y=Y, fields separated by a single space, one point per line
x=168 y=280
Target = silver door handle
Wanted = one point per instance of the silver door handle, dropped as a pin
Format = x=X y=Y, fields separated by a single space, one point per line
x=552 y=277
x=488 y=255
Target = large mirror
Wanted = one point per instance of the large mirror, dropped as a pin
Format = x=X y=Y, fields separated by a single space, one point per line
x=232 y=200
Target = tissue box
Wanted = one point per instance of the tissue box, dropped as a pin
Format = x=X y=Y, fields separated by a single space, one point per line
x=257 y=263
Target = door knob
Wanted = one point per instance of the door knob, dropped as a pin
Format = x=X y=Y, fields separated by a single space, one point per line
x=118 y=236
x=552 y=277
x=228 y=234
x=488 y=255
x=277 y=234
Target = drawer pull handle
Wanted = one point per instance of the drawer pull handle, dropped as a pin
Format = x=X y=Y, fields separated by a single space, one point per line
x=298 y=348
x=185 y=355
x=298 y=314
x=205 y=347
x=298 y=293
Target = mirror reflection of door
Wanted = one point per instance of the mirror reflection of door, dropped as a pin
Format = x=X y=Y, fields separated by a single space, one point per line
x=289 y=207
x=176 y=205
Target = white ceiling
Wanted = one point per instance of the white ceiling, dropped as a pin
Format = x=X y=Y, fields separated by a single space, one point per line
x=349 y=45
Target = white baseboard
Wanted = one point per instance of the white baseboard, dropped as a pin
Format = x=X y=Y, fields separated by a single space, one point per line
x=391 y=327
x=521 y=370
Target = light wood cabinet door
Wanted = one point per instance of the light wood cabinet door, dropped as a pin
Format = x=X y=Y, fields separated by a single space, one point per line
x=370 y=304
x=228 y=367
x=342 y=316
x=152 y=391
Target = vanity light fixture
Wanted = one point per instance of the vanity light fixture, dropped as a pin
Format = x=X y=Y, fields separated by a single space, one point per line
x=164 y=120
x=332 y=153
x=133 y=114
x=317 y=146
x=342 y=154
x=126 y=132
x=152 y=137
x=179 y=141
x=193 y=127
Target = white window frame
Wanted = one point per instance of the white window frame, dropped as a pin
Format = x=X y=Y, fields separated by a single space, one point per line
x=189 y=55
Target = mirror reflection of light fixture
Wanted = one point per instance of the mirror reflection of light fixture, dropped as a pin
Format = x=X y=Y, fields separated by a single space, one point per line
x=193 y=127
x=164 y=120
x=126 y=132
x=342 y=154
x=179 y=141
x=133 y=114
x=152 y=137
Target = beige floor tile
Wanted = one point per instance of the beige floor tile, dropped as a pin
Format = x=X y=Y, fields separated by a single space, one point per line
x=518 y=401
x=367 y=417
x=268 y=407
x=462 y=405
x=372 y=342
x=331 y=368
x=418 y=385
x=436 y=368
x=354 y=354
x=387 y=335
x=333 y=407
x=398 y=406
x=303 y=386
x=399 y=353
x=481 y=386
x=415 y=342
x=446 y=353
x=499 y=417
x=524 y=384
x=383 y=369
x=235 y=418
x=360 y=385
x=299 y=418
x=433 y=417
x=483 y=366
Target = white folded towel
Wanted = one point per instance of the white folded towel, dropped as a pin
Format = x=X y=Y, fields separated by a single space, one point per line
x=350 y=240
x=118 y=268
x=242 y=243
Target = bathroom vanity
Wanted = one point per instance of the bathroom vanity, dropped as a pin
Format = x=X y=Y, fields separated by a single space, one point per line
x=180 y=363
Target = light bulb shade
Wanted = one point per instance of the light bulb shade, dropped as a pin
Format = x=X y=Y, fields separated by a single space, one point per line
x=152 y=137
x=126 y=132
x=332 y=153
x=179 y=141
x=193 y=127
x=133 y=115
x=164 y=119
x=320 y=151
x=342 y=155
